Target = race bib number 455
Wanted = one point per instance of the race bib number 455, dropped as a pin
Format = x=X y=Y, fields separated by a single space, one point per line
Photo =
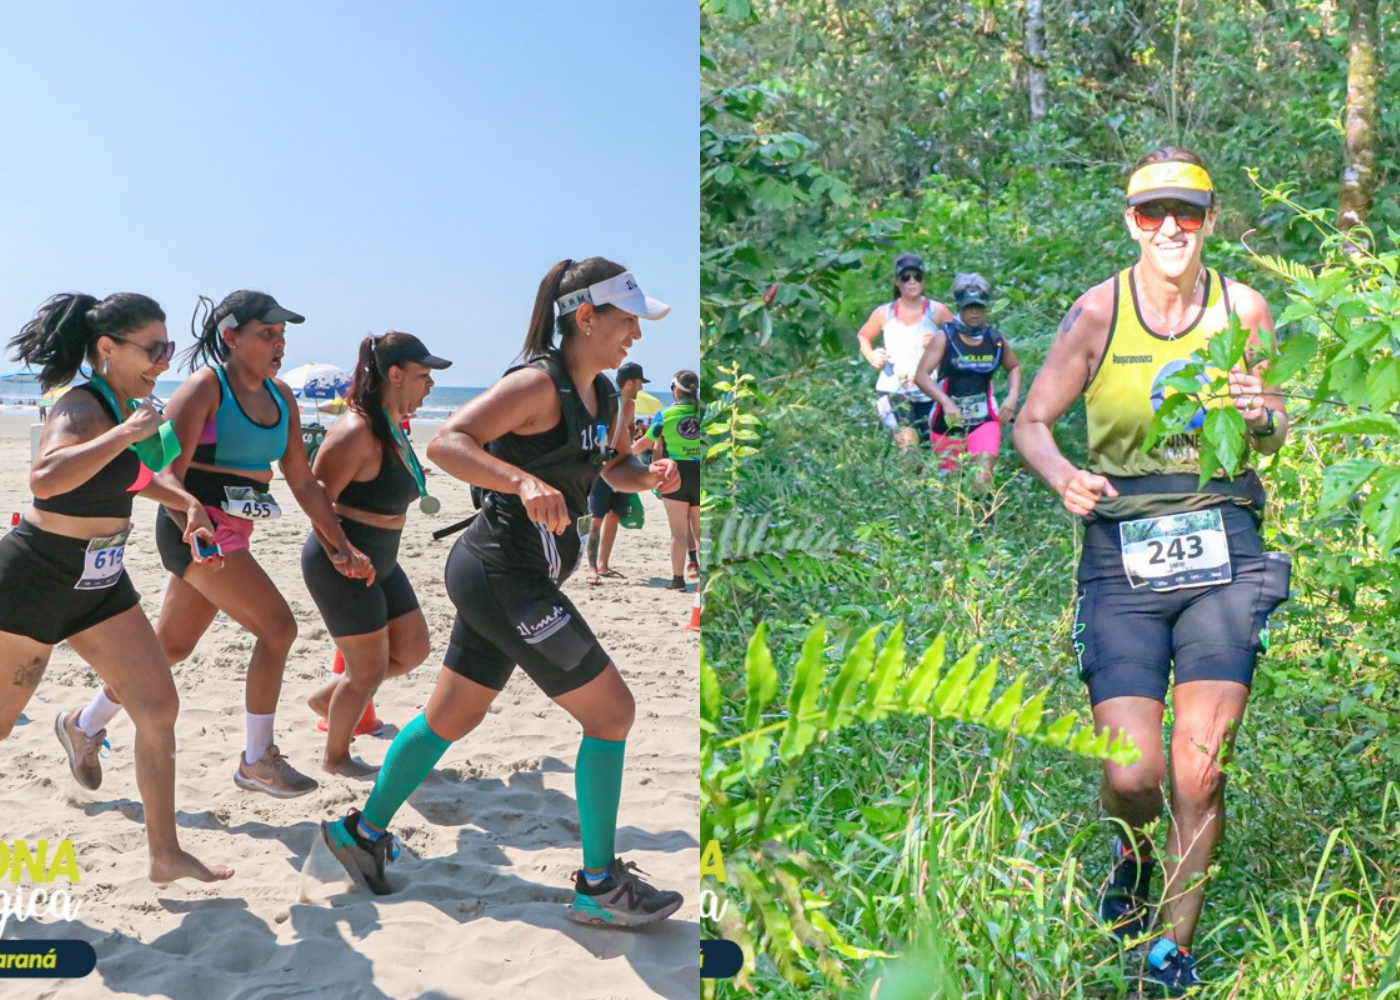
x=1189 y=549
x=250 y=504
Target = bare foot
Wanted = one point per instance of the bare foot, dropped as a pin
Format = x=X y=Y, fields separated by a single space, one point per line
x=320 y=702
x=183 y=864
x=350 y=767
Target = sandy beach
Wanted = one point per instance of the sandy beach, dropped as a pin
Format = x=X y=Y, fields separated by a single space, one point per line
x=490 y=839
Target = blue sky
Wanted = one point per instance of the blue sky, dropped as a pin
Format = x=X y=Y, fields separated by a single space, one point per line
x=412 y=166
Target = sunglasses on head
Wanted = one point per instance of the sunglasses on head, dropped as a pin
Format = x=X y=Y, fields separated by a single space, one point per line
x=1189 y=218
x=911 y=276
x=161 y=350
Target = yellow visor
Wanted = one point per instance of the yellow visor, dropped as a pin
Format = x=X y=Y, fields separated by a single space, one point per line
x=1181 y=181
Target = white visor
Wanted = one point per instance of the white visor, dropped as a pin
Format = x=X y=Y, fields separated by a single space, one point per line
x=620 y=291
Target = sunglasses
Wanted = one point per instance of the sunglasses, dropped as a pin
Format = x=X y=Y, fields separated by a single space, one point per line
x=161 y=350
x=911 y=276
x=1189 y=218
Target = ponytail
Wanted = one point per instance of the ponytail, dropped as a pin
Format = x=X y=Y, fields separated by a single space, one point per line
x=366 y=393
x=564 y=277
x=65 y=330
x=208 y=347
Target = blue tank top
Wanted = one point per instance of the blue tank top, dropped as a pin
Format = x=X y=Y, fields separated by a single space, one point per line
x=234 y=440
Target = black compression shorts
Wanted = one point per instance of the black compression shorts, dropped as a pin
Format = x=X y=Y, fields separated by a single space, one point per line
x=689 y=489
x=348 y=606
x=39 y=596
x=506 y=618
x=1129 y=642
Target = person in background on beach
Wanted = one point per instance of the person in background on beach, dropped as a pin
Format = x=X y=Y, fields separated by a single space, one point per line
x=370 y=473
x=607 y=506
x=232 y=421
x=909 y=323
x=62 y=571
x=678 y=435
x=532 y=444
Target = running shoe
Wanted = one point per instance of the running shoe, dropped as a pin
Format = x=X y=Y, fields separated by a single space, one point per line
x=273 y=775
x=1124 y=905
x=692 y=570
x=1169 y=971
x=621 y=899
x=81 y=748
x=675 y=583
x=362 y=858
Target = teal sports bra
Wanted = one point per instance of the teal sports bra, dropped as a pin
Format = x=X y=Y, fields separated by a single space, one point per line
x=234 y=440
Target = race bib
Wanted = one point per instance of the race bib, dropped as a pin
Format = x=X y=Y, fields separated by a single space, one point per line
x=1176 y=551
x=250 y=504
x=102 y=562
x=973 y=408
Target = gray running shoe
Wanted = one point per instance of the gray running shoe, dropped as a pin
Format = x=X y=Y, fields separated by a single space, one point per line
x=363 y=859
x=621 y=899
x=273 y=775
x=81 y=748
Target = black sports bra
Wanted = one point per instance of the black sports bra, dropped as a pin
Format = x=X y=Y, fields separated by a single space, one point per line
x=108 y=493
x=389 y=492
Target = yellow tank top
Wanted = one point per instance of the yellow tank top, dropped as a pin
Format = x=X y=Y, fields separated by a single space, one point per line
x=1127 y=389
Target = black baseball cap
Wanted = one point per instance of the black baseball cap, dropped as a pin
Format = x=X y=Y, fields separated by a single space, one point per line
x=407 y=347
x=631 y=371
x=909 y=262
x=245 y=306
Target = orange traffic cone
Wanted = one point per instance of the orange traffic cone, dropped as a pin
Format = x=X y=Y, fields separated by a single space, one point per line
x=694 y=625
x=370 y=723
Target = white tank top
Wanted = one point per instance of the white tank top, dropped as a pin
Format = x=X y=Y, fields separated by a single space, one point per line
x=904 y=346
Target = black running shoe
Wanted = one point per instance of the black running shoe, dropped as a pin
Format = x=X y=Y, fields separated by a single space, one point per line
x=621 y=899
x=363 y=859
x=1168 y=971
x=1125 y=900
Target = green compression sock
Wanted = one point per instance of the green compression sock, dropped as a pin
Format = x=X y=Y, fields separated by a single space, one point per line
x=411 y=758
x=598 y=785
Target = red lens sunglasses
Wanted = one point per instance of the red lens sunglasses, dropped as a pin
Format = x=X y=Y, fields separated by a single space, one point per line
x=1189 y=218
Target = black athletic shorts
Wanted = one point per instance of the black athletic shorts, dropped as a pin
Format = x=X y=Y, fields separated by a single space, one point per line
x=911 y=413
x=604 y=500
x=506 y=618
x=689 y=490
x=1131 y=641
x=348 y=606
x=39 y=598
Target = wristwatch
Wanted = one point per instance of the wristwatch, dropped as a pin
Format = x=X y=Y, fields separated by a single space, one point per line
x=1270 y=425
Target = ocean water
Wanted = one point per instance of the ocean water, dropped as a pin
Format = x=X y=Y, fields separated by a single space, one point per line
x=22 y=394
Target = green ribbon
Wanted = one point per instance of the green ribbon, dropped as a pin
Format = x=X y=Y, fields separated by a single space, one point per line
x=406 y=448
x=156 y=451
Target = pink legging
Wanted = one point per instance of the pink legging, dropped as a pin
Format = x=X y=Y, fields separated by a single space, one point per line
x=985 y=439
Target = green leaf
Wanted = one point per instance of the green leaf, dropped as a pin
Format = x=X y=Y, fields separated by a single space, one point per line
x=1225 y=431
x=953 y=688
x=807 y=678
x=1340 y=481
x=888 y=668
x=1008 y=706
x=760 y=679
x=852 y=674
x=1297 y=309
x=1383 y=382
x=1226 y=348
x=1372 y=425
x=1172 y=417
x=924 y=677
x=1292 y=358
x=710 y=698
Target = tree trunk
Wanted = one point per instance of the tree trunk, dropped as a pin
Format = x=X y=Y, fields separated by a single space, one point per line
x=1359 y=143
x=1035 y=57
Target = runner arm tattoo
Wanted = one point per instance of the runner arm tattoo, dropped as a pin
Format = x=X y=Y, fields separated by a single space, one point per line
x=1067 y=323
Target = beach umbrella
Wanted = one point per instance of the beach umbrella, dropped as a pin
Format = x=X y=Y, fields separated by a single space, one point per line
x=335 y=406
x=51 y=397
x=648 y=405
x=317 y=381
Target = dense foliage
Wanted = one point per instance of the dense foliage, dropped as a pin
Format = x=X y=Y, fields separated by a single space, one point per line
x=834 y=134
